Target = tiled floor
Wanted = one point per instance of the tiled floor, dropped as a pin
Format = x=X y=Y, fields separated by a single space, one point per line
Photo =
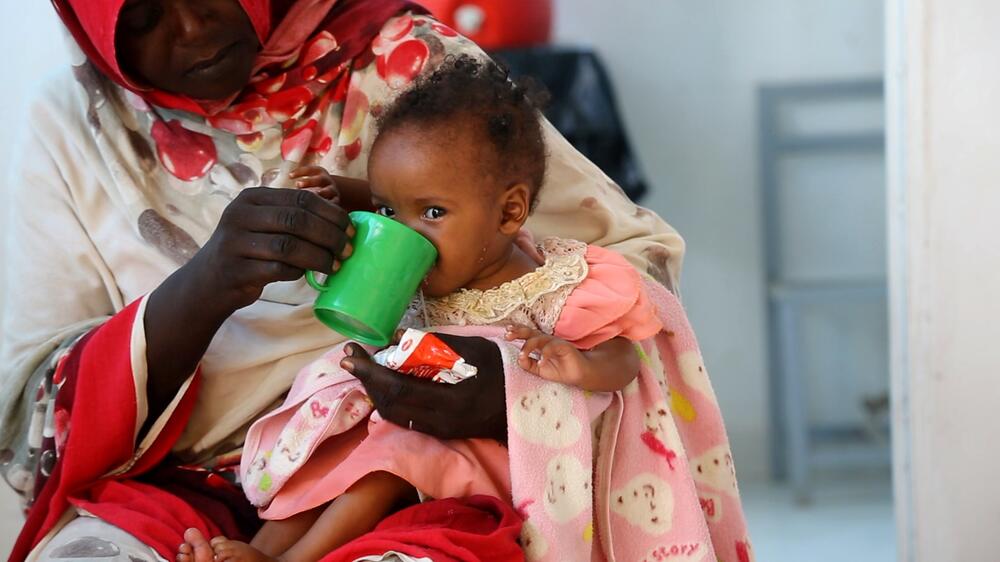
x=848 y=520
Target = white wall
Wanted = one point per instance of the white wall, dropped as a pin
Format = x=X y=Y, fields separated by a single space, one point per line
x=946 y=264
x=32 y=47
x=686 y=73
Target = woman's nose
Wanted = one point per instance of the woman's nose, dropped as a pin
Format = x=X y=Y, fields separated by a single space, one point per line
x=190 y=19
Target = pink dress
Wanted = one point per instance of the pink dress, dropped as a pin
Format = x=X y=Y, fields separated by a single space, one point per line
x=325 y=436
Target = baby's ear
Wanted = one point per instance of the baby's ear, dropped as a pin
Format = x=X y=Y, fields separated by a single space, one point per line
x=515 y=205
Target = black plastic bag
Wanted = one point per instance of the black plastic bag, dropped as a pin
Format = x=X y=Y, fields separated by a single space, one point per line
x=582 y=108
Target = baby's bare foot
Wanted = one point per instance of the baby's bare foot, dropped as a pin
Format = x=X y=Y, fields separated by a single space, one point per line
x=235 y=551
x=185 y=553
x=195 y=548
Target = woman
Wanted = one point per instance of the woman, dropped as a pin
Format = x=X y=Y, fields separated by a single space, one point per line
x=155 y=300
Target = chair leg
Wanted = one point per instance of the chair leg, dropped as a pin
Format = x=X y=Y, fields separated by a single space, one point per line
x=795 y=401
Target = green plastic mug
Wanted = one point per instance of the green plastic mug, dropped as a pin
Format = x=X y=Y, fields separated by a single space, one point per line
x=367 y=297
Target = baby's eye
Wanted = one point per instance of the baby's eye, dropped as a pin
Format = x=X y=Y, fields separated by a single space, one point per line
x=434 y=213
x=385 y=211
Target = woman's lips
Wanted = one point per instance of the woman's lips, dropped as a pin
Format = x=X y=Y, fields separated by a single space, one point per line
x=208 y=64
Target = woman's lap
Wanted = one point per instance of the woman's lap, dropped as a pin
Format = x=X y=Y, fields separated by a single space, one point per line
x=91 y=539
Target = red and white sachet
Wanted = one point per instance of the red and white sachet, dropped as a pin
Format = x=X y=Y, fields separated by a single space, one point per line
x=424 y=355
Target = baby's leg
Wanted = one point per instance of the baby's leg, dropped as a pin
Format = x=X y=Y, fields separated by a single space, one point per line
x=352 y=514
x=274 y=538
x=277 y=536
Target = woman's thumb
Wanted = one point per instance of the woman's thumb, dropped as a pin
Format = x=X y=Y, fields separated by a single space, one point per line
x=356 y=360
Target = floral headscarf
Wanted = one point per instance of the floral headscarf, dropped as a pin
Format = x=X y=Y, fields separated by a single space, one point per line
x=302 y=68
x=302 y=24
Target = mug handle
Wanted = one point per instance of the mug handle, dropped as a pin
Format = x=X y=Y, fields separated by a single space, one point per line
x=311 y=279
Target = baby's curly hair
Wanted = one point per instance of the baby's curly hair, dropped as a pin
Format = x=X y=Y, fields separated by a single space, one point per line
x=480 y=93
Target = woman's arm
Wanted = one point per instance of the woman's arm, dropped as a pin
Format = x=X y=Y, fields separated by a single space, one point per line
x=265 y=235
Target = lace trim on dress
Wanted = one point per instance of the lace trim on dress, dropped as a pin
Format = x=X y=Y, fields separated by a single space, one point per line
x=565 y=265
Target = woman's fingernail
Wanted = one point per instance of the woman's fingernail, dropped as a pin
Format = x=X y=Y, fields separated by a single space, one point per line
x=348 y=250
x=347 y=365
x=351 y=231
x=336 y=267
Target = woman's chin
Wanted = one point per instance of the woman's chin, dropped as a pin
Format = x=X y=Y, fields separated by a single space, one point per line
x=224 y=80
x=218 y=90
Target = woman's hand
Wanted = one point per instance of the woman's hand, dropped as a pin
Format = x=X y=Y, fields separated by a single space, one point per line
x=475 y=407
x=265 y=235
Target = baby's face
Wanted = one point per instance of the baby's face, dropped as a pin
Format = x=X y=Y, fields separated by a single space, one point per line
x=439 y=190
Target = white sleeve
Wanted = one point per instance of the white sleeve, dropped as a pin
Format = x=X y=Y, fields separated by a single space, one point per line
x=56 y=281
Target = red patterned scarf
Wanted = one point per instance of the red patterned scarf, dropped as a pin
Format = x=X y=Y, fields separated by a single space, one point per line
x=303 y=51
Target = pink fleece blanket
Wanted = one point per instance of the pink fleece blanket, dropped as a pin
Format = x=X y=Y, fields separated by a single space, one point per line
x=642 y=475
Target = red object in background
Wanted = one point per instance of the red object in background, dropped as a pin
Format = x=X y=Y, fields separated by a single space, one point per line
x=497 y=24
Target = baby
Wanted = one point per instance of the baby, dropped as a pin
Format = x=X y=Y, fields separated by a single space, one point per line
x=461 y=159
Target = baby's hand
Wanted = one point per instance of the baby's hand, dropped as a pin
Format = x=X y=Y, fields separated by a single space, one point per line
x=548 y=357
x=317 y=180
